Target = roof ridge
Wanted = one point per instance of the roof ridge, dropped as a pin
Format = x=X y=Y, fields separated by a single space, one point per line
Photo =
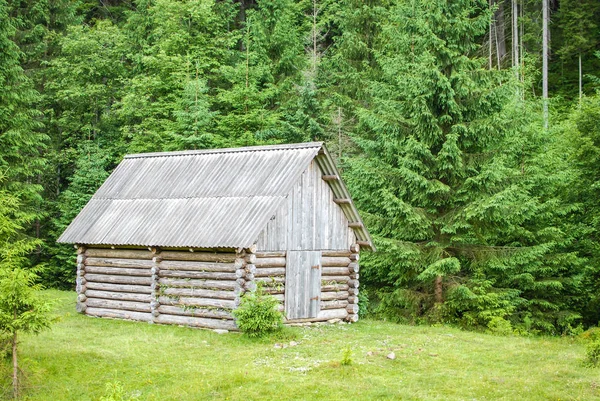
x=195 y=197
x=260 y=148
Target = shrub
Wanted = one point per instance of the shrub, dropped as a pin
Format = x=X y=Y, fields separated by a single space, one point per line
x=258 y=314
x=500 y=326
x=592 y=356
x=346 y=357
x=115 y=392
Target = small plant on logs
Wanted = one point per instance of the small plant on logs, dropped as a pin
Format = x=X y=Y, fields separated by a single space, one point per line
x=258 y=313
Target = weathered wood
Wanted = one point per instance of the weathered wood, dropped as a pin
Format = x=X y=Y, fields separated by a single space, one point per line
x=198 y=275
x=353 y=283
x=106 y=278
x=335 y=271
x=112 y=304
x=326 y=280
x=334 y=287
x=80 y=307
x=120 y=262
x=323 y=315
x=197 y=266
x=80 y=249
x=303 y=284
x=204 y=284
x=81 y=298
x=333 y=253
x=355 y=248
x=199 y=256
x=355 y=224
x=199 y=302
x=354 y=276
x=352 y=318
x=270 y=262
x=352 y=308
x=271 y=279
x=268 y=272
x=334 y=304
x=119 y=296
x=354 y=257
x=364 y=243
x=250 y=268
x=280 y=254
x=120 y=271
x=141 y=289
x=330 y=177
x=196 y=312
x=354 y=267
x=342 y=201
x=197 y=292
x=251 y=248
x=334 y=261
x=330 y=296
x=118 y=314
x=352 y=299
x=353 y=291
x=250 y=258
x=197 y=322
x=274 y=290
x=118 y=253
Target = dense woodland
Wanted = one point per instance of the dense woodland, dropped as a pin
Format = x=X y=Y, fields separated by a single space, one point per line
x=485 y=209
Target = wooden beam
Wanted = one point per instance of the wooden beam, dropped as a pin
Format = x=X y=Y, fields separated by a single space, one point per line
x=355 y=224
x=342 y=201
x=364 y=243
x=330 y=178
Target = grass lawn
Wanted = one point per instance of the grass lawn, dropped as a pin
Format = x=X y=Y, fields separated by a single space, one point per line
x=80 y=355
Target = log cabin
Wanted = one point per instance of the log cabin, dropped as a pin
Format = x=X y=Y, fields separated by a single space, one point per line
x=178 y=237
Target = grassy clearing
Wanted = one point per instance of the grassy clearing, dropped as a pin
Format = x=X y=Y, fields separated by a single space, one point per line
x=80 y=355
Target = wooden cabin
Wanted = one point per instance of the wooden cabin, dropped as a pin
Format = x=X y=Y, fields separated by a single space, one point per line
x=178 y=237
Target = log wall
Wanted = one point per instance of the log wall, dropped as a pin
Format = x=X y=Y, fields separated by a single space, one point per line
x=174 y=287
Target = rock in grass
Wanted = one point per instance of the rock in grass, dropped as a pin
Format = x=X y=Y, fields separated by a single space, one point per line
x=391 y=355
x=293 y=343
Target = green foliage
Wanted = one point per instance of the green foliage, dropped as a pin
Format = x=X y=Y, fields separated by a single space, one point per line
x=592 y=354
x=258 y=314
x=115 y=392
x=500 y=326
x=363 y=303
x=346 y=357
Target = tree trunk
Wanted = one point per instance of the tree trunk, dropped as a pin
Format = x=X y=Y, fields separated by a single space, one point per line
x=515 y=36
x=499 y=32
x=15 y=379
x=545 y=41
x=438 y=290
x=580 y=80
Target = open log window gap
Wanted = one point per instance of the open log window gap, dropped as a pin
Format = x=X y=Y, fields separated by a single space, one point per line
x=183 y=251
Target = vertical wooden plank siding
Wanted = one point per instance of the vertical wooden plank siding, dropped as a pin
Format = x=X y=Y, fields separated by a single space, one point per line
x=309 y=220
x=302 y=284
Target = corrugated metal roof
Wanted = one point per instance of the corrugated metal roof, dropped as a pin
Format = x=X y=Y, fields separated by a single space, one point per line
x=207 y=198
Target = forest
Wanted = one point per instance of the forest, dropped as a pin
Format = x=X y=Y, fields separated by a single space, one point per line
x=468 y=132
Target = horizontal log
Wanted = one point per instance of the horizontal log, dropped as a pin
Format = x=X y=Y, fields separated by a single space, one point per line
x=334 y=287
x=198 y=292
x=196 y=312
x=120 y=271
x=274 y=290
x=353 y=291
x=119 y=262
x=270 y=254
x=334 y=304
x=354 y=257
x=355 y=248
x=334 y=279
x=323 y=315
x=269 y=262
x=118 y=314
x=353 y=284
x=198 y=256
x=330 y=177
x=352 y=318
x=120 y=296
x=354 y=276
x=344 y=253
x=250 y=258
x=335 y=261
x=335 y=271
x=114 y=279
x=198 y=275
x=112 y=304
x=352 y=299
x=197 y=266
x=330 y=296
x=354 y=267
x=204 y=284
x=268 y=272
x=352 y=308
x=197 y=302
x=355 y=224
x=140 y=289
x=197 y=322
x=342 y=201
x=250 y=268
x=271 y=279
x=364 y=243
x=118 y=253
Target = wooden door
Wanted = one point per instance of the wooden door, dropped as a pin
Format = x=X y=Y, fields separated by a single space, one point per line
x=302 y=284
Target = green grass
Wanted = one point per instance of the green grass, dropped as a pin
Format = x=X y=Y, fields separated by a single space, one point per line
x=76 y=359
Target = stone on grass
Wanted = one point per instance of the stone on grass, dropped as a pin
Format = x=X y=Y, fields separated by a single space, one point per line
x=391 y=355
